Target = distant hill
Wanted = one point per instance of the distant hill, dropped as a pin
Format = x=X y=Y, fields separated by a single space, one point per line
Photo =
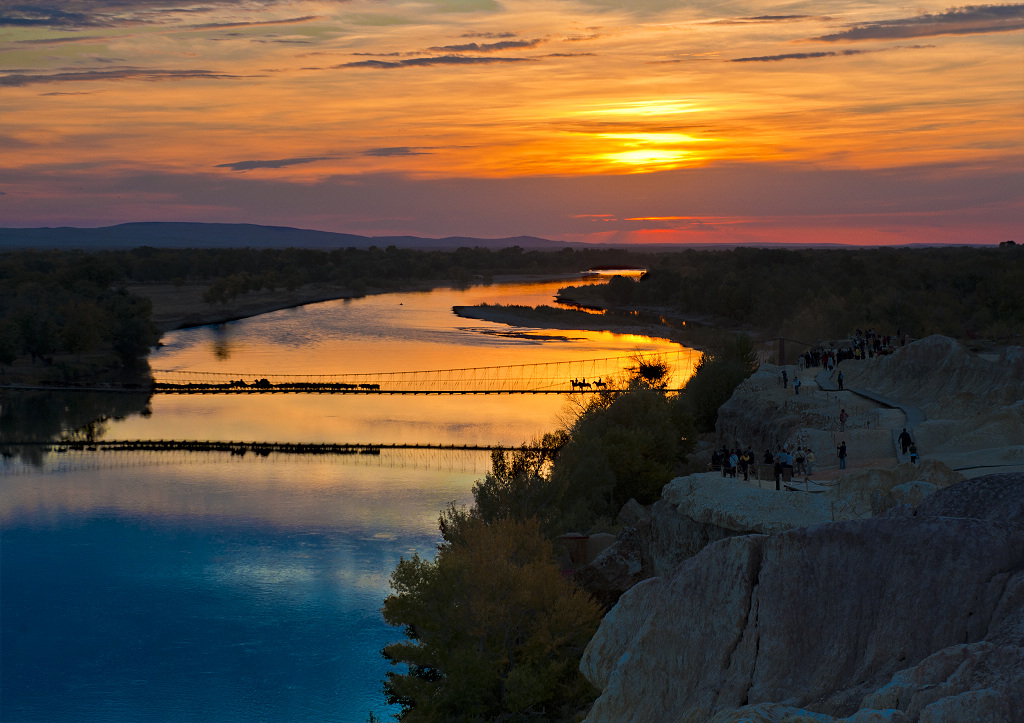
x=176 y=235
x=238 y=235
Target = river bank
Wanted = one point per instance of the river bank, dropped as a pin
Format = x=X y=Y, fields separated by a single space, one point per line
x=549 y=317
x=183 y=307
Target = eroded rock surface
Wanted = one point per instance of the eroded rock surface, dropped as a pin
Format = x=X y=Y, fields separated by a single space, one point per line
x=699 y=509
x=910 y=617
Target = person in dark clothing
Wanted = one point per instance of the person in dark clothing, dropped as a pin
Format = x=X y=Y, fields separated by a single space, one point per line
x=841 y=452
x=904 y=440
x=840 y=380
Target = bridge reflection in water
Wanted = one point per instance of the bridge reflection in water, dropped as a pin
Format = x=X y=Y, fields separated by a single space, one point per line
x=559 y=377
x=63 y=457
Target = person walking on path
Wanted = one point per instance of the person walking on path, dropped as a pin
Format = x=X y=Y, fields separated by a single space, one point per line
x=913 y=453
x=904 y=440
x=842 y=455
x=840 y=380
x=785 y=379
x=796 y=385
x=843 y=416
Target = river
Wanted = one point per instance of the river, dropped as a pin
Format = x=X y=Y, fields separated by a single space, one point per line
x=207 y=586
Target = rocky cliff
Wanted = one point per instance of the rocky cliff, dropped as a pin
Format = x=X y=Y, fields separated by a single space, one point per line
x=916 y=615
x=973 y=404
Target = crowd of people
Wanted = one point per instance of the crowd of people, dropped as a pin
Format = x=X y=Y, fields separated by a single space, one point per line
x=785 y=462
x=863 y=345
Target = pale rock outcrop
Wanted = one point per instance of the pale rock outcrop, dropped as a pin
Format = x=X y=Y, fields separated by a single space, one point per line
x=699 y=509
x=974 y=404
x=897 y=618
x=763 y=415
x=994 y=497
x=980 y=681
x=879 y=489
x=944 y=378
x=702 y=508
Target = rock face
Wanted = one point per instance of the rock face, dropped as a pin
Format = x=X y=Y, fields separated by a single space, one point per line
x=974 y=404
x=764 y=415
x=944 y=378
x=906 y=617
x=697 y=510
x=995 y=497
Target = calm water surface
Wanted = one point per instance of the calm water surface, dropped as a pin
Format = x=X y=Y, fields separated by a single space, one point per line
x=206 y=587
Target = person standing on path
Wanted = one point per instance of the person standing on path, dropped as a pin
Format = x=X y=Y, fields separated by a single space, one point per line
x=785 y=379
x=840 y=380
x=842 y=455
x=843 y=416
x=904 y=440
x=913 y=453
x=796 y=385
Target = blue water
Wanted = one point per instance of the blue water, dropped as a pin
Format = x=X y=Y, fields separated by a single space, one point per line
x=226 y=590
x=118 y=622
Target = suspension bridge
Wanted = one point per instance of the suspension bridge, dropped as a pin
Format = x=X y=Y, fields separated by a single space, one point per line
x=556 y=377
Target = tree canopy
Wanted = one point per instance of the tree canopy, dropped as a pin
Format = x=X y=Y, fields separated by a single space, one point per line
x=495 y=632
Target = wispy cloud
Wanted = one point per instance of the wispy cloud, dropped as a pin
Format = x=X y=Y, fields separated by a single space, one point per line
x=825 y=54
x=488 y=47
x=15 y=80
x=800 y=56
x=488 y=35
x=70 y=14
x=285 y=21
x=395 y=151
x=761 y=19
x=965 y=20
x=278 y=163
x=432 y=60
x=51 y=17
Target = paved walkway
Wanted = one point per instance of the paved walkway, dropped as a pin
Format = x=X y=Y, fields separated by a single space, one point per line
x=915 y=415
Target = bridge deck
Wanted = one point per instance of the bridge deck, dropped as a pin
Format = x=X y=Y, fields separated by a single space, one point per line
x=197 y=445
x=252 y=390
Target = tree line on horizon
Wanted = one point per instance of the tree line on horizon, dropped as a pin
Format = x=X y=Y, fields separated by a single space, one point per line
x=969 y=293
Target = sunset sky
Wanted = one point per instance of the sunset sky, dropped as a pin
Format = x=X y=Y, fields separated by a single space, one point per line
x=740 y=121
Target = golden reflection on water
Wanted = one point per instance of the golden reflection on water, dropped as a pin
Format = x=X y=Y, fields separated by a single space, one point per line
x=504 y=420
x=370 y=501
x=388 y=333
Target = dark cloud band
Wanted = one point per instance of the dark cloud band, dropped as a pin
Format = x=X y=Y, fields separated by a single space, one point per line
x=16 y=80
x=433 y=60
x=966 y=20
x=799 y=56
x=488 y=47
x=279 y=163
